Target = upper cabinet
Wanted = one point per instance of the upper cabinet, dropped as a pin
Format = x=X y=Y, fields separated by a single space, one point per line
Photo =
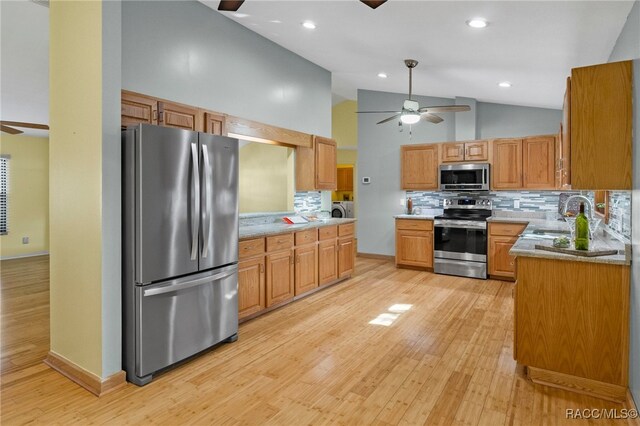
x=506 y=172
x=345 y=179
x=419 y=165
x=600 y=126
x=316 y=167
x=136 y=109
x=564 y=141
x=465 y=151
x=538 y=162
x=179 y=116
x=214 y=123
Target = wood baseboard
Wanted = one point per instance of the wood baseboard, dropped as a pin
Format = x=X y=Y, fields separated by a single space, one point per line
x=376 y=256
x=501 y=278
x=608 y=391
x=84 y=378
x=415 y=268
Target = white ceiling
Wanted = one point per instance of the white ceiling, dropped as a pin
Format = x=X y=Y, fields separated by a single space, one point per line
x=24 y=63
x=533 y=45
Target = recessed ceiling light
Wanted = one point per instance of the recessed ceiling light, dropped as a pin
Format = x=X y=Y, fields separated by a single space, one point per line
x=382 y=75
x=309 y=25
x=240 y=15
x=477 y=23
x=504 y=84
x=276 y=21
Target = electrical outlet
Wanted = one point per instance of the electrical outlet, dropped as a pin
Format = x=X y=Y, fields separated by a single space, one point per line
x=516 y=204
x=25 y=240
x=402 y=201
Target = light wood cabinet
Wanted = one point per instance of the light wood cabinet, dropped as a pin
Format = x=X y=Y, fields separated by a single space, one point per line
x=465 y=151
x=601 y=126
x=572 y=325
x=414 y=243
x=327 y=261
x=136 y=109
x=214 y=123
x=179 y=116
x=507 y=164
x=345 y=257
x=564 y=157
x=280 y=277
x=306 y=277
x=502 y=236
x=538 y=162
x=251 y=287
x=419 y=165
x=345 y=179
x=316 y=167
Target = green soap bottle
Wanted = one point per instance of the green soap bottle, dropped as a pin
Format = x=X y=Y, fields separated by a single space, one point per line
x=582 y=230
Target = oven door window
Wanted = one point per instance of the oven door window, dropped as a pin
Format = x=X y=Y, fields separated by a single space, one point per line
x=460 y=240
x=458 y=177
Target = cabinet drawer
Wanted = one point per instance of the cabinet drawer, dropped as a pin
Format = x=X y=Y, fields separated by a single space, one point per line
x=306 y=237
x=328 y=232
x=506 y=229
x=248 y=248
x=279 y=242
x=414 y=224
x=346 y=230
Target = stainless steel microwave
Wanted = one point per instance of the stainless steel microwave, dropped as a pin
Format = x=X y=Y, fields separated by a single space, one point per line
x=464 y=177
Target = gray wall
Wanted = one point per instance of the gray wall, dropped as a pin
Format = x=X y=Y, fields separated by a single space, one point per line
x=379 y=154
x=505 y=121
x=634 y=355
x=189 y=53
x=628 y=44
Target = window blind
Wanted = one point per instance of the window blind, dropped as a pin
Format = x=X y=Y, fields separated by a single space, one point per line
x=4 y=176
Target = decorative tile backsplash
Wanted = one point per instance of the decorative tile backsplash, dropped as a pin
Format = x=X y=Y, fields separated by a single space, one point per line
x=307 y=202
x=535 y=201
x=620 y=212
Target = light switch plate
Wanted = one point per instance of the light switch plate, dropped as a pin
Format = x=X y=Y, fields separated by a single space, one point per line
x=516 y=204
x=366 y=180
x=25 y=240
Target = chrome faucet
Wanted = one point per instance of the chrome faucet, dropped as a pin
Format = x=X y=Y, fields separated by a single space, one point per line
x=588 y=202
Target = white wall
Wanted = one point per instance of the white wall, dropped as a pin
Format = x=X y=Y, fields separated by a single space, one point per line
x=186 y=52
x=379 y=153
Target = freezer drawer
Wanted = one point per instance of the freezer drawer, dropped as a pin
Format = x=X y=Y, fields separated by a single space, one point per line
x=180 y=318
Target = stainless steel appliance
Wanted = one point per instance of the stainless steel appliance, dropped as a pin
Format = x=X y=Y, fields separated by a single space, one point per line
x=464 y=177
x=343 y=209
x=460 y=238
x=180 y=246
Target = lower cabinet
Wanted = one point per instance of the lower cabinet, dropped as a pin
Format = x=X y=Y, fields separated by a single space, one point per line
x=502 y=236
x=327 y=261
x=306 y=269
x=414 y=243
x=251 y=289
x=275 y=270
x=280 y=278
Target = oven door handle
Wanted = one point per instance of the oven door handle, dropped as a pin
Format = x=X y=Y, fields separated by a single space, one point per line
x=447 y=223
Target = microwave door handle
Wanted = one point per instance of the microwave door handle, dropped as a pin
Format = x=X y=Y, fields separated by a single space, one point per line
x=195 y=201
x=206 y=219
x=484 y=176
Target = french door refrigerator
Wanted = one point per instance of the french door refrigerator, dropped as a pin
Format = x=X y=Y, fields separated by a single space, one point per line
x=180 y=246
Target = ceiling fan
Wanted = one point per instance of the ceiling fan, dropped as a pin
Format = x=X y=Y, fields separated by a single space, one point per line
x=10 y=127
x=233 y=6
x=411 y=112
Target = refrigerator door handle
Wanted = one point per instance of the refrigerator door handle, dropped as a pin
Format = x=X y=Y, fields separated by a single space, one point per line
x=195 y=201
x=189 y=284
x=206 y=220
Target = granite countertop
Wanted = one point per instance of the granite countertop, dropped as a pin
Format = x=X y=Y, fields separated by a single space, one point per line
x=415 y=216
x=602 y=240
x=264 y=230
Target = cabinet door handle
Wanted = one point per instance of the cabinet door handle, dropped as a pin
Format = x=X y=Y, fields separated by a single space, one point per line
x=262 y=268
x=291 y=260
x=298 y=259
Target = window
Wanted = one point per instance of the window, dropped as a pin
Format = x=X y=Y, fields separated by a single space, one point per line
x=4 y=173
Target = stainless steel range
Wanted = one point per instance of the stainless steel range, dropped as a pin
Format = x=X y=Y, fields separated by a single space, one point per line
x=460 y=237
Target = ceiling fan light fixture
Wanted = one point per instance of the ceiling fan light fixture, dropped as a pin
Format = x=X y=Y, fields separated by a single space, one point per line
x=410 y=117
x=477 y=23
x=309 y=25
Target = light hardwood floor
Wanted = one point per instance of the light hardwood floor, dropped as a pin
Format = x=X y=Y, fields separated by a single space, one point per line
x=446 y=358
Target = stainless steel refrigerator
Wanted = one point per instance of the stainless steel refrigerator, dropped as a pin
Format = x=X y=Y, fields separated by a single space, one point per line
x=180 y=246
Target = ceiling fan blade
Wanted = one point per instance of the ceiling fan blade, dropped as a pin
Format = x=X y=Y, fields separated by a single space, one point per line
x=230 y=6
x=373 y=4
x=378 y=112
x=393 y=117
x=26 y=125
x=10 y=130
x=446 y=108
x=432 y=118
